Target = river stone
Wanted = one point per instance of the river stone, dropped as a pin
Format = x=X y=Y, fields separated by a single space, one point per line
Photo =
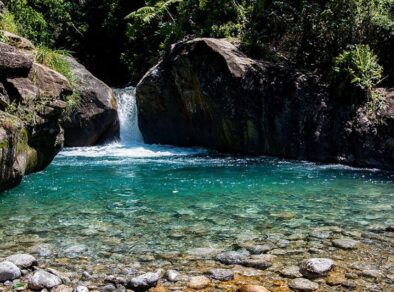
x=199 y=282
x=9 y=271
x=291 y=272
x=345 y=243
x=75 y=250
x=233 y=257
x=316 y=267
x=172 y=276
x=301 y=284
x=259 y=249
x=261 y=264
x=252 y=288
x=43 y=280
x=62 y=288
x=23 y=261
x=221 y=274
x=143 y=282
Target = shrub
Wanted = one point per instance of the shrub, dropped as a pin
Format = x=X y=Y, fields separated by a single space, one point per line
x=361 y=65
x=7 y=22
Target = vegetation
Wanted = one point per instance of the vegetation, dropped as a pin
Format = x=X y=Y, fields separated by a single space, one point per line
x=54 y=59
x=119 y=40
x=7 y=22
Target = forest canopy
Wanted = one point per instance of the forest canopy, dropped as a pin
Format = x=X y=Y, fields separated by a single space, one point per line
x=119 y=40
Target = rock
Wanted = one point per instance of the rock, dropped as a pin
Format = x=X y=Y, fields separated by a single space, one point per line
x=41 y=279
x=301 y=284
x=76 y=250
x=95 y=120
x=51 y=83
x=233 y=257
x=18 y=41
x=256 y=263
x=62 y=288
x=205 y=92
x=199 y=282
x=81 y=289
x=390 y=228
x=371 y=273
x=23 y=261
x=291 y=272
x=108 y=288
x=143 y=282
x=13 y=63
x=316 y=267
x=43 y=250
x=336 y=277
x=345 y=243
x=221 y=274
x=4 y=98
x=252 y=288
x=9 y=271
x=24 y=88
x=172 y=276
x=259 y=249
x=204 y=252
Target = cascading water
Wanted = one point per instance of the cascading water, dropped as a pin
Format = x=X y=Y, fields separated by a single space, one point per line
x=130 y=133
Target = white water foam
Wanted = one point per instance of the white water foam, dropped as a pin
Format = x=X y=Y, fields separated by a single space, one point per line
x=131 y=143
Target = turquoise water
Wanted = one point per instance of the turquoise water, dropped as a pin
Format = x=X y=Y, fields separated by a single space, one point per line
x=151 y=199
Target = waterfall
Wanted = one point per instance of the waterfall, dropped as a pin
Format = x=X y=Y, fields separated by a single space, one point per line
x=128 y=116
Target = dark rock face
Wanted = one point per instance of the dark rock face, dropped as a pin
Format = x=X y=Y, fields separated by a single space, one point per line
x=206 y=93
x=13 y=63
x=96 y=119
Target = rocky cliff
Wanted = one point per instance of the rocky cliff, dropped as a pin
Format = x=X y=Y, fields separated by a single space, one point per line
x=32 y=111
x=205 y=92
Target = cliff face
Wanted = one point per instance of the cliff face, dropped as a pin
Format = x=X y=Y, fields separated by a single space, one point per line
x=207 y=93
x=32 y=118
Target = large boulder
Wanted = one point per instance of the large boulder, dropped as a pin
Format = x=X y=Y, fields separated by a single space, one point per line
x=95 y=119
x=205 y=92
x=13 y=62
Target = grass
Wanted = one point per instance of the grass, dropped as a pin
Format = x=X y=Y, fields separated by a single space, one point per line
x=7 y=22
x=54 y=59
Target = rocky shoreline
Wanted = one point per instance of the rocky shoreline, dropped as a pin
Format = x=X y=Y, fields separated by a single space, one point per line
x=322 y=259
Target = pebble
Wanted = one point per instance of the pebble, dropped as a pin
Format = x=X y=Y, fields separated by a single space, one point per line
x=291 y=272
x=41 y=279
x=108 y=288
x=62 y=288
x=301 y=284
x=259 y=249
x=252 y=288
x=256 y=263
x=143 y=282
x=22 y=260
x=233 y=257
x=172 y=276
x=345 y=243
x=370 y=273
x=199 y=282
x=221 y=274
x=81 y=289
x=316 y=267
x=9 y=271
x=321 y=234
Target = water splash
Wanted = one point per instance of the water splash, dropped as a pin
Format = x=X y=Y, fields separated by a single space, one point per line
x=130 y=133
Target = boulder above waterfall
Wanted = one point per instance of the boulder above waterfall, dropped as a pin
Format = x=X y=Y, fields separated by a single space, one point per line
x=95 y=120
x=205 y=92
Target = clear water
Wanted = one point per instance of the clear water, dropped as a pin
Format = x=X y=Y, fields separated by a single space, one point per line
x=136 y=199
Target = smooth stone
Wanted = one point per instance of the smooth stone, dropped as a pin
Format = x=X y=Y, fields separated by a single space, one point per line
x=345 y=243
x=108 y=288
x=252 y=288
x=370 y=273
x=81 y=289
x=9 y=271
x=260 y=264
x=301 y=284
x=199 y=282
x=221 y=274
x=41 y=279
x=259 y=249
x=349 y=284
x=316 y=267
x=22 y=260
x=321 y=234
x=233 y=257
x=291 y=272
x=75 y=250
x=172 y=276
x=204 y=252
x=43 y=250
x=143 y=282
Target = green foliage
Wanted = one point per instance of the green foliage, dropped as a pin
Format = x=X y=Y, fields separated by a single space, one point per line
x=7 y=22
x=54 y=59
x=361 y=65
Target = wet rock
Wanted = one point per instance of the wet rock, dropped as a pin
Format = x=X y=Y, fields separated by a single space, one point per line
x=390 y=228
x=261 y=262
x=204 y=252
x=143 y=282
x=252 y=288
x=291 y=272
x=221 y=274
x=76 y=250
x=199 y=282
x=43 y=250
x=23 y=261
x=321 y=234
x=172 y=276
x=345 y=243
x=9 y=271
x=283 y=243
x=371 y=273
x=349 y=284
x=41 y=279
x=233 y=257
x=259 y=249
x=108 y=288
x=316 y=267
x=336 y=277
x=301 y=284
x=81 y=289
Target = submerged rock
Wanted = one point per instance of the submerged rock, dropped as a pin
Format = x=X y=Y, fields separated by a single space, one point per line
x=221 y=274
x=143 y=282
x=199 y=282
x=346 y=243
x=252 y=288
x=9 y=271
x=301 y=284
x=41 y=279
x=316 y=267
x=233 y=257
x=291 y=272
x=172 y=275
